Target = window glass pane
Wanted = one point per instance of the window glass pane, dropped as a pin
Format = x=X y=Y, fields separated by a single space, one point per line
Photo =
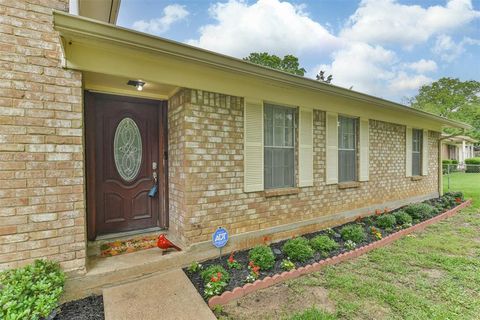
x=268 y=126
x=347 y=155
x=279 y=147
x=268 y=168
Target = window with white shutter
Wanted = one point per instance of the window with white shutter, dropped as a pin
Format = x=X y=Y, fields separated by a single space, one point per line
x=253 y=146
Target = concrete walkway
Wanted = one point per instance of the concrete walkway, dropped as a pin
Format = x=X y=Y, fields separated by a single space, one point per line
x=169 y=295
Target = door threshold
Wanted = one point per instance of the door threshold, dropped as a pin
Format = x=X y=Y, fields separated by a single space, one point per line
x=93 y=248
x=119 y=235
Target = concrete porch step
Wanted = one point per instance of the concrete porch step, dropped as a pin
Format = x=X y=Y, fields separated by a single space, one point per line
x=169 y=295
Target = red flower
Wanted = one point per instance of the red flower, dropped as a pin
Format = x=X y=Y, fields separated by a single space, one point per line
x=250 y=264
x=458 y=200
x=378 y=212
x=231 y=259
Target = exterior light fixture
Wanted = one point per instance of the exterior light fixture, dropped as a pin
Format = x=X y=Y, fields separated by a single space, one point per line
x=137 y=84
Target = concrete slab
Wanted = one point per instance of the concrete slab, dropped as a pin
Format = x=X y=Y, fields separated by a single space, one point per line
x=169 y=295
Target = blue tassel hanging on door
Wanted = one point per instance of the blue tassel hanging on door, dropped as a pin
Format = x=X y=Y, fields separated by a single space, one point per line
x=153 y=191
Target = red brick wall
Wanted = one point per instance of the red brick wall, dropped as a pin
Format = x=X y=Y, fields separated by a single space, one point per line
x=41 y=145
x=212 y=177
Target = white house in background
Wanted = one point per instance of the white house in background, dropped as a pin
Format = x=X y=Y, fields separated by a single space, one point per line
x=458 y=148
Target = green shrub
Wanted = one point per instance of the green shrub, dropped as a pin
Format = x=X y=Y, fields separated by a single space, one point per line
x=287 y=265
x=353 y=232
x=350 y=245
x=403 y=218
x=262 y=256
x=420 y=211
x=386 y=221
x=473 y=165
x=31 y=292
x=194 y=267
x=212 y=271
x=323 y=244
x=298 y=249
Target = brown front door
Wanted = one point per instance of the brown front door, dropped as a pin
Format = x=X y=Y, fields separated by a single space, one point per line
x=125 y=152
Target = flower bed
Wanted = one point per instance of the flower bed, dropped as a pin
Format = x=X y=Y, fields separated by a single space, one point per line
x=311 y=251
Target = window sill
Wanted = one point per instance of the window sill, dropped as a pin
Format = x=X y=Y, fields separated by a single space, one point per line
x=349 y=185
x=280 y=192
x=416 y=178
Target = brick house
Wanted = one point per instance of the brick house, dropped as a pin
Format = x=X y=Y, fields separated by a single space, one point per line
x=458 y=148
x=262 y=153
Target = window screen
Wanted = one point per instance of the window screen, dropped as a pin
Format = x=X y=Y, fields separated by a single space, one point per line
x=347 y=149
x=279 y=146
x=417 y=138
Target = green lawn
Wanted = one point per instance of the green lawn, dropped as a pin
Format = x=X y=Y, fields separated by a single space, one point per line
x=432 y=274
x=469 y=183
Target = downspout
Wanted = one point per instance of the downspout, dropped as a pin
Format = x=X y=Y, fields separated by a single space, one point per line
x=440 y=165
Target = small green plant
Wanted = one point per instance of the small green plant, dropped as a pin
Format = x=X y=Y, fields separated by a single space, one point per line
x=353 y=232
x=420 y=211
x=232 y=263
x=376 y=233
x=31 y=292
x=323 y=244
x=403 y=218
x=262 y=256
x=212 y=271
x=215 y=285
x=350 y=245
x=254 y=272
x=287 y=265
x=331 y=233
x=386 y=221
x=194 y=267
x=298 y=249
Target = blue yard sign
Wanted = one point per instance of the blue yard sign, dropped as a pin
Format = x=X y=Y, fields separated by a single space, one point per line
x=220 y=237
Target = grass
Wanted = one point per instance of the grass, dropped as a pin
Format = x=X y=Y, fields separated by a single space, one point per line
x=469 y=183
x=433 y=274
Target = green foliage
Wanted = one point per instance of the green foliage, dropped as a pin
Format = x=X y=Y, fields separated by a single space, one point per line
x=386 y=221
x=350 y=245
x=453 y=99
x=313 y=314
x=262 y=256
x=473 y=165
x=289 y=63
x=353 y=232
x=287 y=265
x=194 y=267
x=420 y=211
x=298 y=249
x=212 y=271
x=323 y=244
x=31 y=292
x=473 y=160
x=214 y=288
x=403 y=218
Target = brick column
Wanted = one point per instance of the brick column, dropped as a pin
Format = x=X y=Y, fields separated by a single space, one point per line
x=42 y=208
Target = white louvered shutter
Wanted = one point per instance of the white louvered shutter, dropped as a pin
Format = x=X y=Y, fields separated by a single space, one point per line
x=408 y=152
x=425 y=153
x=253 y=146
x=331 y=162
x=364 y=150
x=305 y=153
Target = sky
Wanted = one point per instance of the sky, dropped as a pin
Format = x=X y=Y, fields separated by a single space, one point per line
x=386 y=48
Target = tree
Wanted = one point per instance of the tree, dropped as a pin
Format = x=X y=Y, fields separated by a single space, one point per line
x=321 y=77
x=453 y=99
x=289 y=63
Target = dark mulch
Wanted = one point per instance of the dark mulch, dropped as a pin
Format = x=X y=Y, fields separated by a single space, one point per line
x=90 y=308
x=237 y=277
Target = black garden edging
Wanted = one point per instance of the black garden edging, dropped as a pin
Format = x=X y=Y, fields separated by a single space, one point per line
x=237 y=288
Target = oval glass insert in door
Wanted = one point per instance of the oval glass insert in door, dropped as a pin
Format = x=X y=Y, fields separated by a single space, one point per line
x=127 y=149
